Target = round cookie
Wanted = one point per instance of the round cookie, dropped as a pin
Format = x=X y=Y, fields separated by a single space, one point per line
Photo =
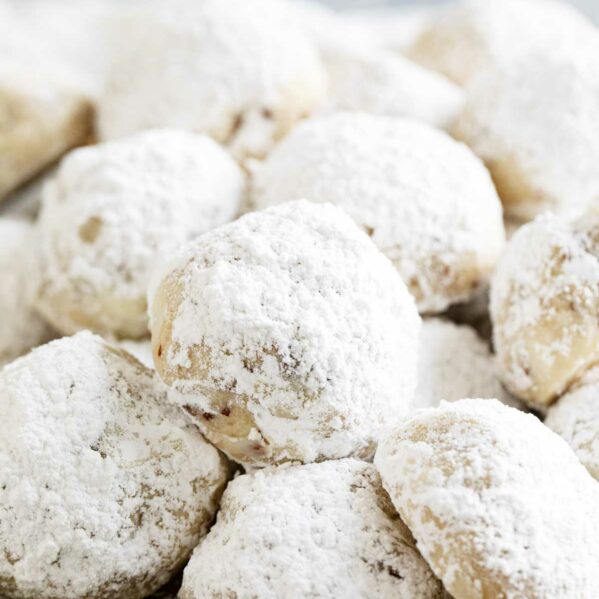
x=105 y=488
x=316 y=531
x=544 y=303
x=21 y=328
x=425 y=200
x=383 y=82
x=498 y=504
x=287 y=335
x=453 y=363
x=575 y=418
x=468 y=37
x=113 y=210
x=534 y=123
x=41 y=118
x=241 y=71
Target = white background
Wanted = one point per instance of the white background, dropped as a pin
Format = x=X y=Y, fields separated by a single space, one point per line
x=591 y=7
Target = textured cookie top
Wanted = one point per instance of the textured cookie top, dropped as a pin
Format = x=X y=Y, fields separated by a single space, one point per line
x=321 y=530
x=544 y=299
x=295 y=312
x=425 y=200
x=499 y=505
x=383 y=82
x=240 y=71
x=455 y=363
x=468 y=37
x=104 y=487
x=21 y=328
x=575 y=418
x=539 y=115
x=114 y=209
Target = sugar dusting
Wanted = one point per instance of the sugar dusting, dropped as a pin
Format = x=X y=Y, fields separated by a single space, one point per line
x=426 y=201
x=321 y=530
x=544 y=297
x=104 y=487
x=454 y=363
x=305 y=321
x=115 y=209
x=499 y=504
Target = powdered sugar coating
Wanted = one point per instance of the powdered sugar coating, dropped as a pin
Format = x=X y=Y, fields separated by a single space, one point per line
x=364 y=75
x=287 y=335
x=20 y=327
x=104 y=488
x=115 y=209
x=383 y=82
x=316 y=531
x=544 y=302
x=426 y=201
x=499 y=505
x=468 y=37
x=454 y=363
x=575 y=418
x=238 y=70
x=534 y=123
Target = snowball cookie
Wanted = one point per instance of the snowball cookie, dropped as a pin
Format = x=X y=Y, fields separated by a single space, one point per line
x=20 y=327
x=453 y=363
x=468 y=37
x=104 y=487
x=40 y=119
x=317 y=531
x=425 y=200
x=535 y=126
x=575 y=417
x=287 y=335
x=383 y=82
x=544 y=304
x=239 y=70
x=499 y=505
x=113 y=210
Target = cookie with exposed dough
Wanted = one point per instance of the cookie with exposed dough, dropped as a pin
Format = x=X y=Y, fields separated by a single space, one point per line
x=242 y=72
x=113 y=210
x=287 y=336
x=499 y=505
x=41 y=118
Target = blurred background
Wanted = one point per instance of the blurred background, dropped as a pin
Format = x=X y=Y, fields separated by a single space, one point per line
x=591 y=7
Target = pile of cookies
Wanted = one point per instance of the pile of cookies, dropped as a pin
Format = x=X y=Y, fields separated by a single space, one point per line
x=301 y=303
